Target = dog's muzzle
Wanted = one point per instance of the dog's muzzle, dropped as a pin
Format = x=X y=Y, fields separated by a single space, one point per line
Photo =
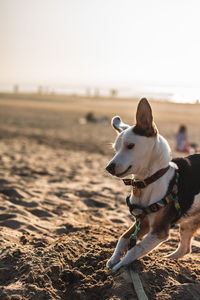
x=111 y=168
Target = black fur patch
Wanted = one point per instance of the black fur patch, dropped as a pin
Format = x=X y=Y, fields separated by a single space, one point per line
x=189 y=180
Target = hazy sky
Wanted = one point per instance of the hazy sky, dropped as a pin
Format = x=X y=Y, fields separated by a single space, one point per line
x=100 y=41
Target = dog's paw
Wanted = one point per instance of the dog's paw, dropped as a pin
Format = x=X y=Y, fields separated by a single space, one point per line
x=176 y=254
x=171 y=256
x=179 y=252
x=112 y=262
x=116 y=267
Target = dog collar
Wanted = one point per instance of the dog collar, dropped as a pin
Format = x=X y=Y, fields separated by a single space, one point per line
x=171 y=196
x=140 y=184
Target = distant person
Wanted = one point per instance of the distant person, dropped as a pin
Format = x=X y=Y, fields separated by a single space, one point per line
x=182 y=144
x=90 y=117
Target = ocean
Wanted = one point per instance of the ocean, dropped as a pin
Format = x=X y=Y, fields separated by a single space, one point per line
x=173 y=93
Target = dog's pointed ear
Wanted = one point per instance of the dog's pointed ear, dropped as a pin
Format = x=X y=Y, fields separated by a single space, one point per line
x=118 y=125
x=144 y=119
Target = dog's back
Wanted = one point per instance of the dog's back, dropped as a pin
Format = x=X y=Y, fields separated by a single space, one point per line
x=189 y=180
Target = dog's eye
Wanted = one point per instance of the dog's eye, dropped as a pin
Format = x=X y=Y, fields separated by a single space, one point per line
x=130 y=146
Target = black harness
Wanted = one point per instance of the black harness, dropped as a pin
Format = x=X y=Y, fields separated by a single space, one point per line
x=170 y=197
x=139 y=212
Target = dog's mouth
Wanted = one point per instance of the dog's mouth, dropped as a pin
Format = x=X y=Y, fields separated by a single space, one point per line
x=123 y=173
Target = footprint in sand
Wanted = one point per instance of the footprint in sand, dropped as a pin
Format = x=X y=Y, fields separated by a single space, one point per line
x=3 y=181
x=40 y=213
x=16 y=197
x=24 y=203
x=119 y=221
x=95 y=203
x=6 y=216
x=12 y=193
x=13 y=224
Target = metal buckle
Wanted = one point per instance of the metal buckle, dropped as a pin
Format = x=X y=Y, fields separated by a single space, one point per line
x=138 y=180
x=136 y=212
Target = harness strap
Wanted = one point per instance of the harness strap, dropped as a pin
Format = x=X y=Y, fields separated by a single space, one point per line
x=171 y=196
x=140 y=212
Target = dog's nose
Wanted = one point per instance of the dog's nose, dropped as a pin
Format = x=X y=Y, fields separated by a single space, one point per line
x=111 y=168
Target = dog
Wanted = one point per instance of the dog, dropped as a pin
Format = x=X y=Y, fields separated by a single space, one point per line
x=165 y=191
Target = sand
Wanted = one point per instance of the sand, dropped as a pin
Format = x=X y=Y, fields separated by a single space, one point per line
x=61 y=213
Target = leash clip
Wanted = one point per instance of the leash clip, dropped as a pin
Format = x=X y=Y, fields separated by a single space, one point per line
x=133 y=237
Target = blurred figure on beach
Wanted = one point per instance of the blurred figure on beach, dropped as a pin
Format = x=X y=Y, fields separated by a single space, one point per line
x=90 y=118
x=182 y=144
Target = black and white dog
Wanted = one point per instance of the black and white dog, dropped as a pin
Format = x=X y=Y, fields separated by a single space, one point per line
x=167 y=192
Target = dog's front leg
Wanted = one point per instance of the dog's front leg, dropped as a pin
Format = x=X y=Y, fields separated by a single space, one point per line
x=151 y=241
x=122 y=244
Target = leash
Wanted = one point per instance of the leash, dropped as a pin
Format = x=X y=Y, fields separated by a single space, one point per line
x=137 y=285
x=133 y=238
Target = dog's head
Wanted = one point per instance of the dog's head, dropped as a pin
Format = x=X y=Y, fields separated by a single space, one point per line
x=134 y=144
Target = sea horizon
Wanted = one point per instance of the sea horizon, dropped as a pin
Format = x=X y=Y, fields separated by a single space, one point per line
x=172 y=93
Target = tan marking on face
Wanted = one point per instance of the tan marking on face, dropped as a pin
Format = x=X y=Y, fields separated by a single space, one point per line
x=144 y=229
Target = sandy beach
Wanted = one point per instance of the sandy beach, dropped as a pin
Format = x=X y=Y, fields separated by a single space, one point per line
x=61 y=213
